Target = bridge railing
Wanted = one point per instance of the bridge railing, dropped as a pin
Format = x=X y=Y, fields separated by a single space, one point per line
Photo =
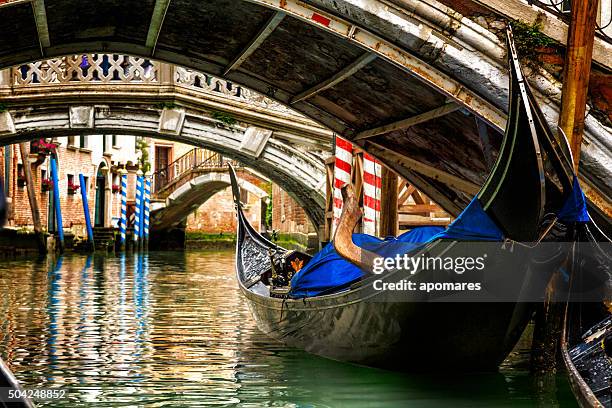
x=114 y=69
x=194 y=160
x=562 y=10
x=101 y=68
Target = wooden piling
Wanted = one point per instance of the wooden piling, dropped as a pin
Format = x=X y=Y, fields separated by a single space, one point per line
x=389 y=219
x=27 y=171
x=576 y=74
x=579 y=52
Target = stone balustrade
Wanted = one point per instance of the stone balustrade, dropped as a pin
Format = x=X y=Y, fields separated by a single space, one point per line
x=113 y=69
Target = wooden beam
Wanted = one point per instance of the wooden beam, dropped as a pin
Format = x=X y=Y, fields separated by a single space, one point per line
x=424 y=222
x=419 y=208
x=389 y=218
x=340 y=76
x=576 y=73
x=261 y=36
x=42 y=27
x=157 y=20
x=485 y=143
x=424 y=169
x=27 y=171
x=406 y=123
x=406 y=194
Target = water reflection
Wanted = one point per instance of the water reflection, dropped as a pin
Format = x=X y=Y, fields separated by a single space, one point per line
x=172 y=329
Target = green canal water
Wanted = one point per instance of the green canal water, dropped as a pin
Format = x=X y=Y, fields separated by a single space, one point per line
x=171 y=329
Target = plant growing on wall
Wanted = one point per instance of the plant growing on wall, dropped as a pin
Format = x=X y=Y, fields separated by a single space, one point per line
x=143 y=147
x=530 y=40
x=73 y=188
x=46 y=184
x=42 y=147
x=227 y=119
x=116 y=188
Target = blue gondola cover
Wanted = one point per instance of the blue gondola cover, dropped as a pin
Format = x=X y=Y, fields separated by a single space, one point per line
x=327 y=272
x=574 y=209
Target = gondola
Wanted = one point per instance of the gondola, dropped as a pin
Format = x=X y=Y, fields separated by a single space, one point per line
x=348 y=321
x=586 y=344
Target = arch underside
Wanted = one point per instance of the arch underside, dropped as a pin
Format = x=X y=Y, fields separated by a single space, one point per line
x=192 y=195
x=297 y=172
x=418 y=68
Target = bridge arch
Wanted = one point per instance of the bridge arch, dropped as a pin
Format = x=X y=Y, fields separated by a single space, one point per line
x=295 y=170
x=192 y=194
x=354 y=66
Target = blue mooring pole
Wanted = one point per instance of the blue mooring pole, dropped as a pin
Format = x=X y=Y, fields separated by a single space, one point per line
x=147 y=208
x=56 y=202
x=90 y=236
x=137 y=209
x=123 y=223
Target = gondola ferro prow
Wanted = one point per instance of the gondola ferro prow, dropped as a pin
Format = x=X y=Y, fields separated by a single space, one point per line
x=343 y=237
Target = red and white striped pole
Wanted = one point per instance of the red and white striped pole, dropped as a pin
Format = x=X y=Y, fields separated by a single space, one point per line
x=371 y=194
x=342 y=176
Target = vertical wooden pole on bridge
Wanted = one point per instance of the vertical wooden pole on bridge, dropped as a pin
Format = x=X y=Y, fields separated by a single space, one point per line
x=27 y=171
x=576 y=73
x=579 y=50
x=389 y=219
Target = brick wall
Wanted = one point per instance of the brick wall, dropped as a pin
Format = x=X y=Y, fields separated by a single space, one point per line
x=287 y=215
x=217 y=215
x=71 y=161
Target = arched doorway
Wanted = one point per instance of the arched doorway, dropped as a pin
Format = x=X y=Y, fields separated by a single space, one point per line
x=101 y=204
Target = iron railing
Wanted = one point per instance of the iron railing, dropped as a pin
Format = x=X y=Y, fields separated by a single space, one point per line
x=562 y=10
x=195 y=159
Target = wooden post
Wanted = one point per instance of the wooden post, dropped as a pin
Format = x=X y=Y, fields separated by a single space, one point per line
x=389 y=220
x=576 y=73
x=573 y=106
x=27 y=171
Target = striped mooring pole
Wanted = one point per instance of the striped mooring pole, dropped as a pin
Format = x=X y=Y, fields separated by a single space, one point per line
x=372 y=184
x=137 y=209
x=123 y=222
x=342 y=176
x=147 y=208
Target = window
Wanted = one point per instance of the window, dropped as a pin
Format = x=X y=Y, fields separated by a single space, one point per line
x=34 y=146
x=83 y=142
x=71 y=140
x=114 y=140
x=566 y=6
x=20 y=175
x=104 y=144
x=244 y=196
x=85 y=185
x=70 y=179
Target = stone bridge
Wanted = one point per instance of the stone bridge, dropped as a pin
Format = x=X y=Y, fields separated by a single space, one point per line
x=189 y=182
x=376 y=72
x=64 y=96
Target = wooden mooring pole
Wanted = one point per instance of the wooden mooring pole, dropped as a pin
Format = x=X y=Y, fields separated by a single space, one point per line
x=27 y=171
x=578 y=55
x=389 y=218
x=576 y=74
